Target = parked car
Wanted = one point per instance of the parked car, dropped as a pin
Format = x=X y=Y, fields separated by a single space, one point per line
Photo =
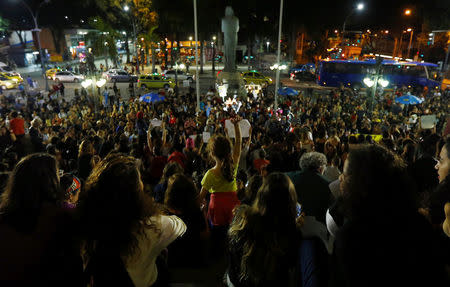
x=154 y=81
x=118 y=75
x=310 y=67
x=67 y=76
x=50 y=73
x=256 y=78
x=7 y=84
x=181 y=75
x=304 y=76
x=16 y=77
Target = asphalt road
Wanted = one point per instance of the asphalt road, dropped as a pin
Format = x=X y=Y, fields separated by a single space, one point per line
x=207 y=80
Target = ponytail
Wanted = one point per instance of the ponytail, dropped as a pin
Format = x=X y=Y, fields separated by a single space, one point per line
x=227 y=168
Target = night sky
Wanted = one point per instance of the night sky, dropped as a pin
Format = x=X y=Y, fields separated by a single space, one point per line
x=313 y=15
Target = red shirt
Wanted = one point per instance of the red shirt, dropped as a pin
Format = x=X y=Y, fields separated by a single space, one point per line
x=17 y=126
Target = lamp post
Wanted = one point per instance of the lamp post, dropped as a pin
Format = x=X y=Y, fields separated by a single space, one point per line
x=377 y=79
x=181 y=66
x=37 y=30
x=267 y=46
x=277 y=74
x=126 y=9
x=213 y=43
x=406 y=12
x=358 y=7
x=197 y=79
x=410 y=40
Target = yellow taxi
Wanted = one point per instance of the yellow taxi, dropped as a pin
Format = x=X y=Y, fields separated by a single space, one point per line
x=12 y=76
x=7 y=84
x=256 y=78
x=154 y=81
x=50 y=73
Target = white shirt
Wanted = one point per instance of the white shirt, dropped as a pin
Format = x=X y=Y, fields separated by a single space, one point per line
x=142 y=266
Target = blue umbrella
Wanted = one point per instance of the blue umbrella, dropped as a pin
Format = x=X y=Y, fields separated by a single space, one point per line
x=408 y=100
x=151 y=98
x=286 y=91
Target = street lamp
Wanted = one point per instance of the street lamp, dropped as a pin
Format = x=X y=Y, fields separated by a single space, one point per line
x=410 y=40
x=277 y=74
x=37 y=30
x=358 y=7
x=407 y=12
x=181 y=66
x=267 y=44
x=126 y=8
x=213 y=43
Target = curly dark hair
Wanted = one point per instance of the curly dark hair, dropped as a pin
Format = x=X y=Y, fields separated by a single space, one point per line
x=376 y=184
x=113 y=208
x=220 y=147
x=32 y=183
x=266 y=232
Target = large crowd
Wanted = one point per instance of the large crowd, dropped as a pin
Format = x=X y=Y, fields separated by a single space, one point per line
x=327 y=189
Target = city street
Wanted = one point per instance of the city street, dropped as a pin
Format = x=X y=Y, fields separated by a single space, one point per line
x=207 y=79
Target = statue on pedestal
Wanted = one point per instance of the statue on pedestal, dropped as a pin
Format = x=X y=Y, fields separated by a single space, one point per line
x=230 y=28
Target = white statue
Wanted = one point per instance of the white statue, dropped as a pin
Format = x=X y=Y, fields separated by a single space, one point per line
x=230 y=28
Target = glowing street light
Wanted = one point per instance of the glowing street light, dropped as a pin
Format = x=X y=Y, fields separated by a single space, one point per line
x=100 y=83
x=190 y=38
x=359 y=7
x=368 y=82
x=384 y=83
x=126 y=8
x=86 y=83
x=409 y=29
x=407 y=12
x=278 y=67
x=214 y=38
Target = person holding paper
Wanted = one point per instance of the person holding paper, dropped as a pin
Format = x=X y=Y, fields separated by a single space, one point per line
x=220 y=180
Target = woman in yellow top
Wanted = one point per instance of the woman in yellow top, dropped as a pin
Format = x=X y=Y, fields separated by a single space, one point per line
x=220 y=180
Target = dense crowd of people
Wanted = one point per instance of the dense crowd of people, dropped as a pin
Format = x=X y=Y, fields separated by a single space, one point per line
x=324 y=190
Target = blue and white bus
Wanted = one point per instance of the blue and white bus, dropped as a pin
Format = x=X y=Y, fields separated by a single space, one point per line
x=334 y=73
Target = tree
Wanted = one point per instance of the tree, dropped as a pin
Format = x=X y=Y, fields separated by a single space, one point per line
x=112 y=13
x=103 y=43
x=436 y=52
x=4 y=25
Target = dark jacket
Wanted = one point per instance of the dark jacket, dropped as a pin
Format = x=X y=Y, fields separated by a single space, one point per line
x=313 y=193
x=48 y=255
x=379 y=251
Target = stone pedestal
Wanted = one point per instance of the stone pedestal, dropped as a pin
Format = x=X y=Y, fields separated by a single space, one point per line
x=234 y=84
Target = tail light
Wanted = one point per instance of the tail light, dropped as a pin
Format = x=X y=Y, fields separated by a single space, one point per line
x=318 y=77
x=138 y=80
x=163 y=75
